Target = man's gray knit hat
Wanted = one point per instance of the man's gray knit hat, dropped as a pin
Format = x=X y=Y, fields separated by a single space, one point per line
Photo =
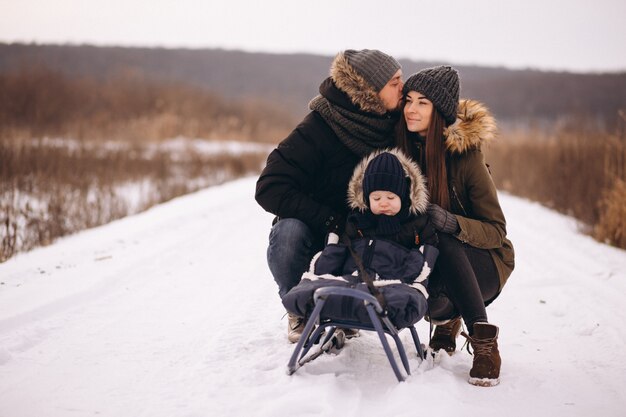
x=441 y=86
x=375 y=66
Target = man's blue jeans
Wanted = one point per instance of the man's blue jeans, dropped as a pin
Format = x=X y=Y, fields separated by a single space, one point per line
x=291 y=248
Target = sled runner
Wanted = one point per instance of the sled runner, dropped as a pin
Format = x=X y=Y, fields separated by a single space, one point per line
x=378 y=322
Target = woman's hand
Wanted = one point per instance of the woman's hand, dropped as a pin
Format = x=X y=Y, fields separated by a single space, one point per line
x=443 y=220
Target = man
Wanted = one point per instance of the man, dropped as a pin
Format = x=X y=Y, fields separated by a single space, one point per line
x=306 y=177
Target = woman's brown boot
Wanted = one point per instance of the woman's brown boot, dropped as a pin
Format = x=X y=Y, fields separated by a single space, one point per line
x=445 y=335
x=485 y=370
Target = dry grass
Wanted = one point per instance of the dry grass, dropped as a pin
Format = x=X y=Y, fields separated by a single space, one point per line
x=611 y=226
x=51 y=190
x=573 y=169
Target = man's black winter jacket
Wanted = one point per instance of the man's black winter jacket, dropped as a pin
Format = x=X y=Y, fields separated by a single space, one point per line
x=307 y=175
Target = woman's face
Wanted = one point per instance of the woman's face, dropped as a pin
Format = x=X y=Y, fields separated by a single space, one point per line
x=417 y=112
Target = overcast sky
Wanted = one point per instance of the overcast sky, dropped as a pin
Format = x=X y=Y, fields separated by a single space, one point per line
x=573 y=35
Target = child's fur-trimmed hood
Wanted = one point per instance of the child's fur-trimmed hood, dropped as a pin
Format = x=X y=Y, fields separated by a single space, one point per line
x=418 y=193
x=473 y=127
x=361 y=93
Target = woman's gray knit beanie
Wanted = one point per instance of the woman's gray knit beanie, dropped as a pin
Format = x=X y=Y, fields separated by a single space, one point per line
x=441 y=86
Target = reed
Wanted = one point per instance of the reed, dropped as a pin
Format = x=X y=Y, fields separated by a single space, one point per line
x=574 y=169
x=49 y=190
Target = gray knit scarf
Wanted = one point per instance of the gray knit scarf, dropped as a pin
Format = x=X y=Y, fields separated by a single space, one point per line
x=362 y=133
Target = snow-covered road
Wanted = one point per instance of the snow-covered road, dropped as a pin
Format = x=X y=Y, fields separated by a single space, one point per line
x=173 y=312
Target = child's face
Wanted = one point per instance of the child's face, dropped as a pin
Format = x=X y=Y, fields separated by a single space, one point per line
x=385 y=202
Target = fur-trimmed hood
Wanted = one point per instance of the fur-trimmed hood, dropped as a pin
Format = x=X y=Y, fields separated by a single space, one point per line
x=361 y=93
x=474 y=126
x=418 y=192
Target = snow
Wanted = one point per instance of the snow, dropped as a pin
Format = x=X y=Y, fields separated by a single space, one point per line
x=173 y=312
x=176 y=146
x=212 y=147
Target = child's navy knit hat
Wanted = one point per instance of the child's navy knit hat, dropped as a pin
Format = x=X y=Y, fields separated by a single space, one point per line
x=384 y=173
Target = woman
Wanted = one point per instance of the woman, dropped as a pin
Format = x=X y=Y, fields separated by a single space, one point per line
x=445 y=137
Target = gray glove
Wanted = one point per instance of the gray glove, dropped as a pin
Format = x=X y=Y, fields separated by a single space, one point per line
x=443 y=220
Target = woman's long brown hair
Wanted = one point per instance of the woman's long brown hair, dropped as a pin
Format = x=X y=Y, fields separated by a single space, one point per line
x=432 y=159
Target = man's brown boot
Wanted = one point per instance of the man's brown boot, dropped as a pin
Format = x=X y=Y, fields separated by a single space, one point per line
x=485 y=370
x=445 y=336
x=295 y=327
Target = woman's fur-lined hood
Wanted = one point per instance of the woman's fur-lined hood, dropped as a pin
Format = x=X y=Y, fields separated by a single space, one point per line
x=474 y=126
x=349 y=81
x=418 y=192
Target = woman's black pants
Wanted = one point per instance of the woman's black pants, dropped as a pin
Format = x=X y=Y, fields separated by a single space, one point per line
x=465 y=280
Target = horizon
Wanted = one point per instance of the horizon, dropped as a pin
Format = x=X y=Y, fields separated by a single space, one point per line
x=329 y=56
